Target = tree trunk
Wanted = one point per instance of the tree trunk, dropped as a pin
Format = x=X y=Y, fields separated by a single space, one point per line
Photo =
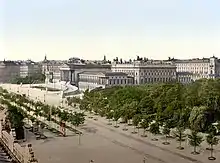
x=211 y=150
x=194 y=149
x=79 y=138
x=180 y=144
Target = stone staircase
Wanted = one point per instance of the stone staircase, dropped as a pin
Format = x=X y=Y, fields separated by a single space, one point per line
x=4 y=157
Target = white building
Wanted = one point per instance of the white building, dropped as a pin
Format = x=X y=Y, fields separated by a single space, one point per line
x=197 y=69
x=70 y=71
x=91 y=79
x=147 y=71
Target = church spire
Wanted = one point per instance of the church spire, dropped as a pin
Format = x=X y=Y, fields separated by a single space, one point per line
x=45 y=57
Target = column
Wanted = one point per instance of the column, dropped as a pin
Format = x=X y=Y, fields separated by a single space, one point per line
x=71 y=76
x=61 y=75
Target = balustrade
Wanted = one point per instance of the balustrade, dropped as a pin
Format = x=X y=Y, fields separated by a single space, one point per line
x=19 y=152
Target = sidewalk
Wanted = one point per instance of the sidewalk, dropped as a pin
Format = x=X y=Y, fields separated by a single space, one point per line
x=169 y=149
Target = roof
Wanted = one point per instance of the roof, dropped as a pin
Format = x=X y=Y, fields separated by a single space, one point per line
x=73 y=66
x=104 y=73
x=115 y=74
x=205 y=60
x=9 y=63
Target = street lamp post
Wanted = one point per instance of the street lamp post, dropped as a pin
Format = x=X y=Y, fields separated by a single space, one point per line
x=50 y=117
x=62 y=103
x=79 y=138
x=44 y=97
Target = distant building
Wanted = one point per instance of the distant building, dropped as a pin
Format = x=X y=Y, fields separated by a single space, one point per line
x=70 y=71
x=29 y=68
x=197 y=68
x=9 y=70
x=93 y=79
x=51 y=68
x=146 y=71
x=185 y=77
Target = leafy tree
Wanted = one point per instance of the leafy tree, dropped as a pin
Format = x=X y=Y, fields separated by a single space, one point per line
x=37 y=78
x=136 y=120
x=212 y=140
x=77 y=119
x=144 y=124
x=32 y=119
x=197 y=118
x=195 y=140
x=64 y=116
x=109 y=116
x=166 y=132
x=116 y=116
x=15 y=117
x=180 y=136
x=155 y=129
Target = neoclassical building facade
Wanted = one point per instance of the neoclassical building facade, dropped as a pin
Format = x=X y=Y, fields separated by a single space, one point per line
x=197 y=69
x=94 y=79
x=147 y=72
x=69 y=72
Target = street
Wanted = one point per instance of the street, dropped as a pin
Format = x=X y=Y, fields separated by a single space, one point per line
x=104 y=143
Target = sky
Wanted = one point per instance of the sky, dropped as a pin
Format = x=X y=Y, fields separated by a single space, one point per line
x=90 y=29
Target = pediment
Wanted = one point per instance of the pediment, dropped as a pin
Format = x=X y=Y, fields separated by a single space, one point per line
x=65 y=66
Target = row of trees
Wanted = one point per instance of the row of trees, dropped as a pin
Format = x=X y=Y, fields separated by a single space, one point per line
x=25 y=106
x=162 y=106
x=36 y=78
